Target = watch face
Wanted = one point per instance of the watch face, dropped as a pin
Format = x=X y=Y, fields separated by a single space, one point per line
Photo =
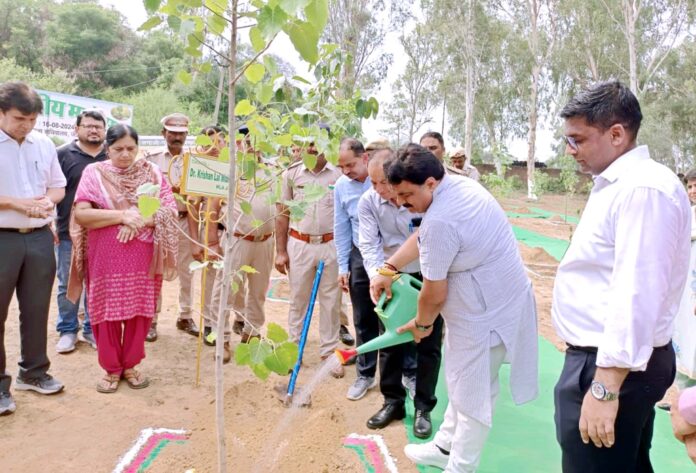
x=598 y=391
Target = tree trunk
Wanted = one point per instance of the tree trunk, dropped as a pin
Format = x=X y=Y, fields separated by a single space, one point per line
x=493 y=142
x=444 y=113
x=470 y=78
x=218 y=97
x=228 y=270
x=412 y=121
x=533 y=112
x=533 y=42
x=630 y=16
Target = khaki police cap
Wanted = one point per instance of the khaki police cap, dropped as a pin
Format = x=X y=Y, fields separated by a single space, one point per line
x=458 y=153
x=176 y=122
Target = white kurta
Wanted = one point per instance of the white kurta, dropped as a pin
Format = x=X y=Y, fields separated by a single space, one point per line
x=465 y=238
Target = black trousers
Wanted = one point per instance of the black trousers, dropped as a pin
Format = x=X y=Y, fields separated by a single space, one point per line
x=365 y=319
x=27 y=266
x=634 y=422
x=428 y=357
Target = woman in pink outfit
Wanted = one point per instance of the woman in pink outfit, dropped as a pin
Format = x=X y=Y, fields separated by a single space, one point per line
x=121 y=255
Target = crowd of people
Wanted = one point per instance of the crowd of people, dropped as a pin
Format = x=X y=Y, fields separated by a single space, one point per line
x=385 y=212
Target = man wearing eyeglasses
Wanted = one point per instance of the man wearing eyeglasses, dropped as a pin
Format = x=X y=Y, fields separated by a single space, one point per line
x=618 y=288
x=87 y=148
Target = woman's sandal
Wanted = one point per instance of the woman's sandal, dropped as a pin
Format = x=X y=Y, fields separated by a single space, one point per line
x=108 y=384
x=135 y=379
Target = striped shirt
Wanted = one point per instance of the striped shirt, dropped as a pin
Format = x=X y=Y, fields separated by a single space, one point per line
x=383 y=228
x=466 y=239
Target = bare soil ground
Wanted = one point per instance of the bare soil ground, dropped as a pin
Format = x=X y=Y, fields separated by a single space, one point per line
x=83 y=430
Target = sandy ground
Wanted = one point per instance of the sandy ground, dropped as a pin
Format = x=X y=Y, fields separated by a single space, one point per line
x=83 y=430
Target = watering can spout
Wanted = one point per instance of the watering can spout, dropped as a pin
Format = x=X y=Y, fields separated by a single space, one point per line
x=344 y=356
x=394 y=313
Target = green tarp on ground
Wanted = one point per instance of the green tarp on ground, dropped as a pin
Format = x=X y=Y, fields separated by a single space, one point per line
x=553 y=246
x=523 y=438
x=535 y=212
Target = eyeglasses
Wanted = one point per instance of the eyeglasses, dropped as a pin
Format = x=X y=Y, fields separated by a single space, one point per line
x=92 y=127
x=571 y=142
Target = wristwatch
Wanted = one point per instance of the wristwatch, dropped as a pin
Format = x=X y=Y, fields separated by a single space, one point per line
x=601 y=393
x=423 y=328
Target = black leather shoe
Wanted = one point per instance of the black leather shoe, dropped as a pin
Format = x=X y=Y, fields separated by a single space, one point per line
x=206 y=332
x=422 y=427
x=385 y=415
x=188 y=326
x=238 y=327
x=345 y=336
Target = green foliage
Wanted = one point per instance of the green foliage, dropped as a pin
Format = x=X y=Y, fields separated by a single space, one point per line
x=22 y=25
x=359 y=28
x=569 y=181
x=152 y=104
x=497 y=185
x=274 y=353
x=85 y=33
x=516 y=183
x=57 y=80
x=414 y=91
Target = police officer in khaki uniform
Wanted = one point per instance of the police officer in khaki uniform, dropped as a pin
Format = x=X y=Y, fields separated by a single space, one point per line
x=175 y=130
x=343 y=333
x=251 y=245
x=435 y=143
x=460 y=161
x=300 y=245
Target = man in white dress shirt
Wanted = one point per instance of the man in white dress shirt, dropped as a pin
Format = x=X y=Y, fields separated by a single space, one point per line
x=31 y=184
x=618 y=288
x=473 y=275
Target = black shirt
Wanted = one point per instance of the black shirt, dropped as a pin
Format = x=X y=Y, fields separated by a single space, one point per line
x=72 y=161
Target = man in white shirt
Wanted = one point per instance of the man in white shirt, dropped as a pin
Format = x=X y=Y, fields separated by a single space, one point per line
x=31 y=184
x=618 y=288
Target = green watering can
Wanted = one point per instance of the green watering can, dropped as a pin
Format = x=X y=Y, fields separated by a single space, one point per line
x=393 y=313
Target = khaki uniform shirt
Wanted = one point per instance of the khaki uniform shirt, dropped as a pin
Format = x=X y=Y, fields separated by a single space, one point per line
x=319 y=216
x=259 y=192
x=471 y=172
x=172 y=172
x=452 y=171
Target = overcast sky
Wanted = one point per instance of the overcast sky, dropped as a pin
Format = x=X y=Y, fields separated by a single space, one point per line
x=135 y=14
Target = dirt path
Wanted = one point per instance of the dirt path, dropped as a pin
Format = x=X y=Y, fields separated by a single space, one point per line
x=82 y=430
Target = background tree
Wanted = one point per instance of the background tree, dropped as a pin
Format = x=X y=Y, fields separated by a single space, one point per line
x=651 y=28
x=415 y=91
x=360 y=27
x=54 y=80
x=21 y=25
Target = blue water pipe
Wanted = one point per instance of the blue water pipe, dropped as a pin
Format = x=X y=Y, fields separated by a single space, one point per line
x=305 y=329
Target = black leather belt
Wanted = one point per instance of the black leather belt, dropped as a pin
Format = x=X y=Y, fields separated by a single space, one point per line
x=23 y=230
x=594 y=349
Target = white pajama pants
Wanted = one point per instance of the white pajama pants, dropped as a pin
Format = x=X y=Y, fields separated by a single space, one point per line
x=462 y=435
